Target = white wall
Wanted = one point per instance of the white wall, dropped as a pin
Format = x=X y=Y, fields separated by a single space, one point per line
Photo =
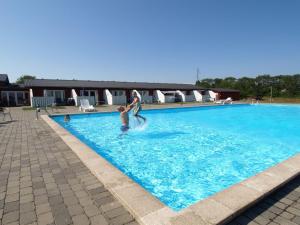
x=31 y=96
x=160 y=97
x=198 y=96
x=108 y=98
x=137 y=93
x=74 y=96
x=212 y=95
x=182 y=95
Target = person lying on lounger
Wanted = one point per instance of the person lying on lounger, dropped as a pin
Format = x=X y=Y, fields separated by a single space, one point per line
x=124 y=117
x=137 y=108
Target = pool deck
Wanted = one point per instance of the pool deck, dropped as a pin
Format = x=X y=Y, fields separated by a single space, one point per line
x=42 y=181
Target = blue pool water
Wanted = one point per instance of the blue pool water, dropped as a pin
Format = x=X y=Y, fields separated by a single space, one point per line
x=187 y=154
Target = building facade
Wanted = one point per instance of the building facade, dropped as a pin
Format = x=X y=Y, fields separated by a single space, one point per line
x=40 y=92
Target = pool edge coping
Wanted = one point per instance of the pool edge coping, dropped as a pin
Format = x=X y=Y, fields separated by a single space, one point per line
x=148 y=210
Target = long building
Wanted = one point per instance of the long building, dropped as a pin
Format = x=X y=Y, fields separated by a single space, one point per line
x=41 y=92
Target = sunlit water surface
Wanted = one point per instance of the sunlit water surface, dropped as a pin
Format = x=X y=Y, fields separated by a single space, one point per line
x=184 y=155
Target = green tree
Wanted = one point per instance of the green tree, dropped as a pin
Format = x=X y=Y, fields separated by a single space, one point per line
x=22 y=78
x=259 y=86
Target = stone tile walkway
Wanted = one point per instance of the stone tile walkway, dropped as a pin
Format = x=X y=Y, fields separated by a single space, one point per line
x=281 y=207
x=43 y=182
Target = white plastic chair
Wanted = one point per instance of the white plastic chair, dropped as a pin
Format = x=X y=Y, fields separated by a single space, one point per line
x=4 y=112
x=224 y=101
x=85 y=106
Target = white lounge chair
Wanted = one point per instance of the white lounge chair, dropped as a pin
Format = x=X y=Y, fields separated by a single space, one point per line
x=85 y=106
x=224 y=101
x=4 y=112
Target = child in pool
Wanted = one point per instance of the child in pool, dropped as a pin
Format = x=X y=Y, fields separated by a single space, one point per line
x=137 y=108
x=124 y=117
x=67 y=118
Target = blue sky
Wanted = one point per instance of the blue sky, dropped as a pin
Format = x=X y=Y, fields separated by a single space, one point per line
x=153 y=40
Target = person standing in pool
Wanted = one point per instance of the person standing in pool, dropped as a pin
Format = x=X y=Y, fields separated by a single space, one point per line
x=124 y=117
x=137 y=107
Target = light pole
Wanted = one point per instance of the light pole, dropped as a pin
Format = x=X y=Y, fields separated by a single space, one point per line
x=271 y=94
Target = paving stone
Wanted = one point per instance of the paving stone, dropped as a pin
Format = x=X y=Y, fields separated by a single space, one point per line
x=115 y=212
x=287 y=215
x=98 y=220
x=12 y=197
x=110 y=206
x=120 y=220
x=43 y=208
x=296 y=219
x=85 y=201
x=132 y=223
x=75 y=210
x=97 y=190
x=55 y=200
x=91 y=210
x=27 y=218
x=11 y=206
x=25 y=191
x=1 y=214
x=286 y=201
x=103 y=201
x=71 y=200
x=283 y=221
x=62 y=219
x=59 y=209
x=293 y=211
x=1 y=204
x=26 y=198
x=41 y=199
x=46 y=218
x=80 y=220
x=297 y=205
x=10 y=217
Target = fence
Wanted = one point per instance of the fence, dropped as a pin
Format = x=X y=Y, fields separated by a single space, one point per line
x=119 y=100
x=42 y=101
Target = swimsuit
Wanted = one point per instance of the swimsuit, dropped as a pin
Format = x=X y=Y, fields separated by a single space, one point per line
x=124 y=128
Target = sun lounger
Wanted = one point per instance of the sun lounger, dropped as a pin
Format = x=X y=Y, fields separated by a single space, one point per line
x=4 y=112
x=85 y=106
x=224 y=101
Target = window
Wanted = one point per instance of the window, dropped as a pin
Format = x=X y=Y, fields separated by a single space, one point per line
x=12 y=98
x=87 y=93
x=59 y=95
x=117 y=93
x=144 y=93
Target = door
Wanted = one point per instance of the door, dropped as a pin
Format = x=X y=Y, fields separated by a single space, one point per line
x=4 y=98
x=20 y=98
x=59 y=96
x=11 y=99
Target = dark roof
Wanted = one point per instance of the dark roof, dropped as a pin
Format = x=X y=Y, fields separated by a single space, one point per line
x=4 y=78
x=223 y=90
x=106 y=84
x=115 y=84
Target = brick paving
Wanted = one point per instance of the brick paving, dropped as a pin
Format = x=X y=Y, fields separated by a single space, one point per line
x=43 y=182
x=281 y=207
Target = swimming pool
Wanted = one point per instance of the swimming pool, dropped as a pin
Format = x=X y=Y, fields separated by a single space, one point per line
x=185 y=155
